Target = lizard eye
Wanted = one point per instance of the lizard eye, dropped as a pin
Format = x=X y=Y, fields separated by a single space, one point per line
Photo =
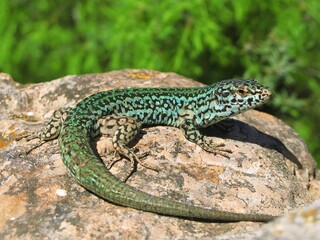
x=242 y=92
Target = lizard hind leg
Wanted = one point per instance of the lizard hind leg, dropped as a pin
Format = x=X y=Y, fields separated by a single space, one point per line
x=123 y=129
x=50 y=131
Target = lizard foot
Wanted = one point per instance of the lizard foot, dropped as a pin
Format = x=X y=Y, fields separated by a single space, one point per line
x=217 y=149
x=28 y=137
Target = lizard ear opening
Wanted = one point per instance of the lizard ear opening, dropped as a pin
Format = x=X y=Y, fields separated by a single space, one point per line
x=225 y=93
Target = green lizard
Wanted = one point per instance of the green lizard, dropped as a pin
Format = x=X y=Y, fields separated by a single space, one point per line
x=124 y=112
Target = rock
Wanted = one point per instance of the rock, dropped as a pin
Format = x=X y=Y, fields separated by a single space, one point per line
x=296 y=225
x=40 y=200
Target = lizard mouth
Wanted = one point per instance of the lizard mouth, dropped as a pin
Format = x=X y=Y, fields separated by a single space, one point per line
x=266 y=94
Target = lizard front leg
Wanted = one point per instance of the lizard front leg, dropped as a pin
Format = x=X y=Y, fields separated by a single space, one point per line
x=192 y=133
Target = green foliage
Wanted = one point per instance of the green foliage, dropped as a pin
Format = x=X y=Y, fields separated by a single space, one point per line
x=275 y=41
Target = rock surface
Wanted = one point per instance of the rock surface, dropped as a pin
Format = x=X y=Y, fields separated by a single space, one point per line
x=296 y=225
x=39 y=200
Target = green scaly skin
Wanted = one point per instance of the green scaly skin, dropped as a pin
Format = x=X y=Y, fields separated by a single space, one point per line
x=186 y=108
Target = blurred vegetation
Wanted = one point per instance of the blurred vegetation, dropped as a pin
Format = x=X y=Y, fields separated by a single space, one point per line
x=276 y=42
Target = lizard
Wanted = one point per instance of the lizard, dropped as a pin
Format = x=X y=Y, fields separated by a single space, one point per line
x=124 y=112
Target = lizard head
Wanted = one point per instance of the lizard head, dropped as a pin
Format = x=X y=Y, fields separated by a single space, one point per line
x=235 y=96
x=227 y=98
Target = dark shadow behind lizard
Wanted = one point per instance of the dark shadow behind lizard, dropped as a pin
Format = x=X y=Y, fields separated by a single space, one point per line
x=223 y=129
